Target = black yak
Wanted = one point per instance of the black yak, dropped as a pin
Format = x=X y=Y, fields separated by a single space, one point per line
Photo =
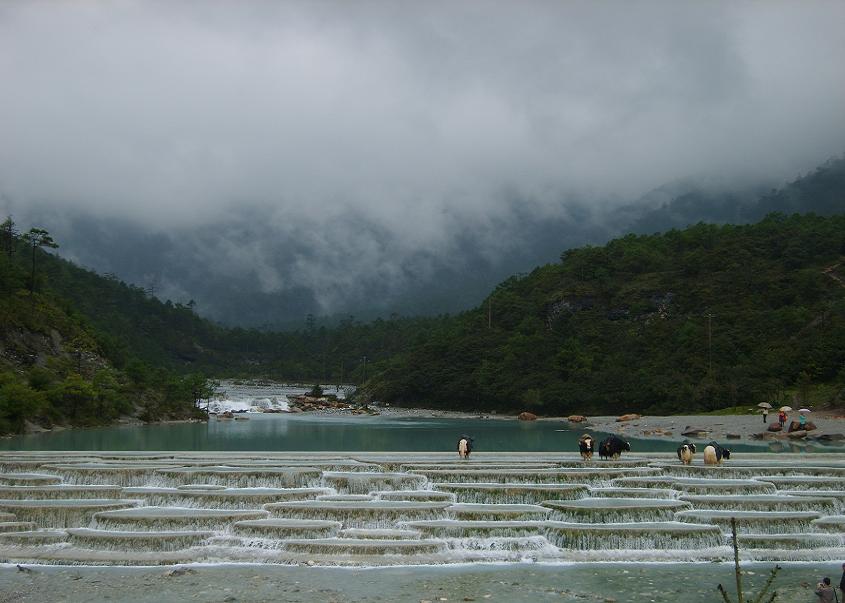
x=612 y=447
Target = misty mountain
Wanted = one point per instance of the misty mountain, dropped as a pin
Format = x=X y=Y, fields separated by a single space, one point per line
x=256 y=270
x=821 y=191
x=247 y=272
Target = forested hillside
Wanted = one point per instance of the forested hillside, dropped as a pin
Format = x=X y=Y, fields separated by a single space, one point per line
x=126 y=352
x=130 y=323
x=56 y=368
x=689 y=320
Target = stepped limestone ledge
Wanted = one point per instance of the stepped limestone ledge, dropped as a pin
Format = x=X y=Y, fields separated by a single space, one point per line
x=386 y=509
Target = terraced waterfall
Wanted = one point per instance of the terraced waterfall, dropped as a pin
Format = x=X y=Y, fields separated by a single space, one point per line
x=378 y=509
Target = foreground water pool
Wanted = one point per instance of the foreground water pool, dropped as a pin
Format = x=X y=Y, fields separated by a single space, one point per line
x=512 y=583
x=285 y=432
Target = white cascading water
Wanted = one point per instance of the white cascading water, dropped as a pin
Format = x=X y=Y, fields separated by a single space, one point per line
x=372 y=509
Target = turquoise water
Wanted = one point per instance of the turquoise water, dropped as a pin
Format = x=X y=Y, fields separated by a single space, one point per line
x=309 y=432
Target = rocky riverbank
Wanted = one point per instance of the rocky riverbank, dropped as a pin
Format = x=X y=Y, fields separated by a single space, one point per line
x=830 y=425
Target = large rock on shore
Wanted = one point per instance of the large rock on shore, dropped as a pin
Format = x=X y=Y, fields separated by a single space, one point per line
x=577 y=418
x=775 y=427
x=629 y=417
x=527 y=416
x=796 y=426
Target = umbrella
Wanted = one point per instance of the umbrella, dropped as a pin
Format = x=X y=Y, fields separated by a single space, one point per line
x=786 y=408
x=764 y=405
x=804 y=410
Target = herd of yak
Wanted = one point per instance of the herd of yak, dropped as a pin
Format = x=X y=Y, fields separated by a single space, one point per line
x=613 y=446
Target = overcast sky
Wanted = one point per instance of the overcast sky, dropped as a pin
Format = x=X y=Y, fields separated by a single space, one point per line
x=417 y=116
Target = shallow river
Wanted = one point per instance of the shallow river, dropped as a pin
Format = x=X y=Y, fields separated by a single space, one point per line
x=268 y=432
x=512 y=583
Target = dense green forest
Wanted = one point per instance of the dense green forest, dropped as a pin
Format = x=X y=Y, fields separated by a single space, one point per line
x=692 y=319
x=56 y=368
x=132 y=326
x=79 y=348
x=688 y=320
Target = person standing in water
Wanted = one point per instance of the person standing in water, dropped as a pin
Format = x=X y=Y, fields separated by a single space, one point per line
x=824 y=591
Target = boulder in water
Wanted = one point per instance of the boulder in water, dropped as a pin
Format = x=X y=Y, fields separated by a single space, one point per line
x=527 y=416
x=695 y=432
x=829 y=437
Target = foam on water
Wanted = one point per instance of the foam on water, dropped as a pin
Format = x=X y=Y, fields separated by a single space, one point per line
x=765 y=522
x=513 y=493
x=613 y=509
x=633 y=536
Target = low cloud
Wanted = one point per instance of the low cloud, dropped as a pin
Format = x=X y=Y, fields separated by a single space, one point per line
x=415 y=123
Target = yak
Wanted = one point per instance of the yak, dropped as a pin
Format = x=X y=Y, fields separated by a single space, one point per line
x=585 y=445
x=685 y=452
x=612 y=447
x=464 y=446
x=714 y=454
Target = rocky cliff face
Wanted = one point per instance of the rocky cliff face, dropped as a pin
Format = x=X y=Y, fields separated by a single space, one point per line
x=22 y=348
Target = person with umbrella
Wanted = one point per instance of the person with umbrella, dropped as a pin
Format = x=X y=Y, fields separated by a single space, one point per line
x=782 y=415
x=765 y=406
x=802 y=418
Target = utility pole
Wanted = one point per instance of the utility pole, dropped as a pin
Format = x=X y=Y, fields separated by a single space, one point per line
x=709 y=316
x=490 y=312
